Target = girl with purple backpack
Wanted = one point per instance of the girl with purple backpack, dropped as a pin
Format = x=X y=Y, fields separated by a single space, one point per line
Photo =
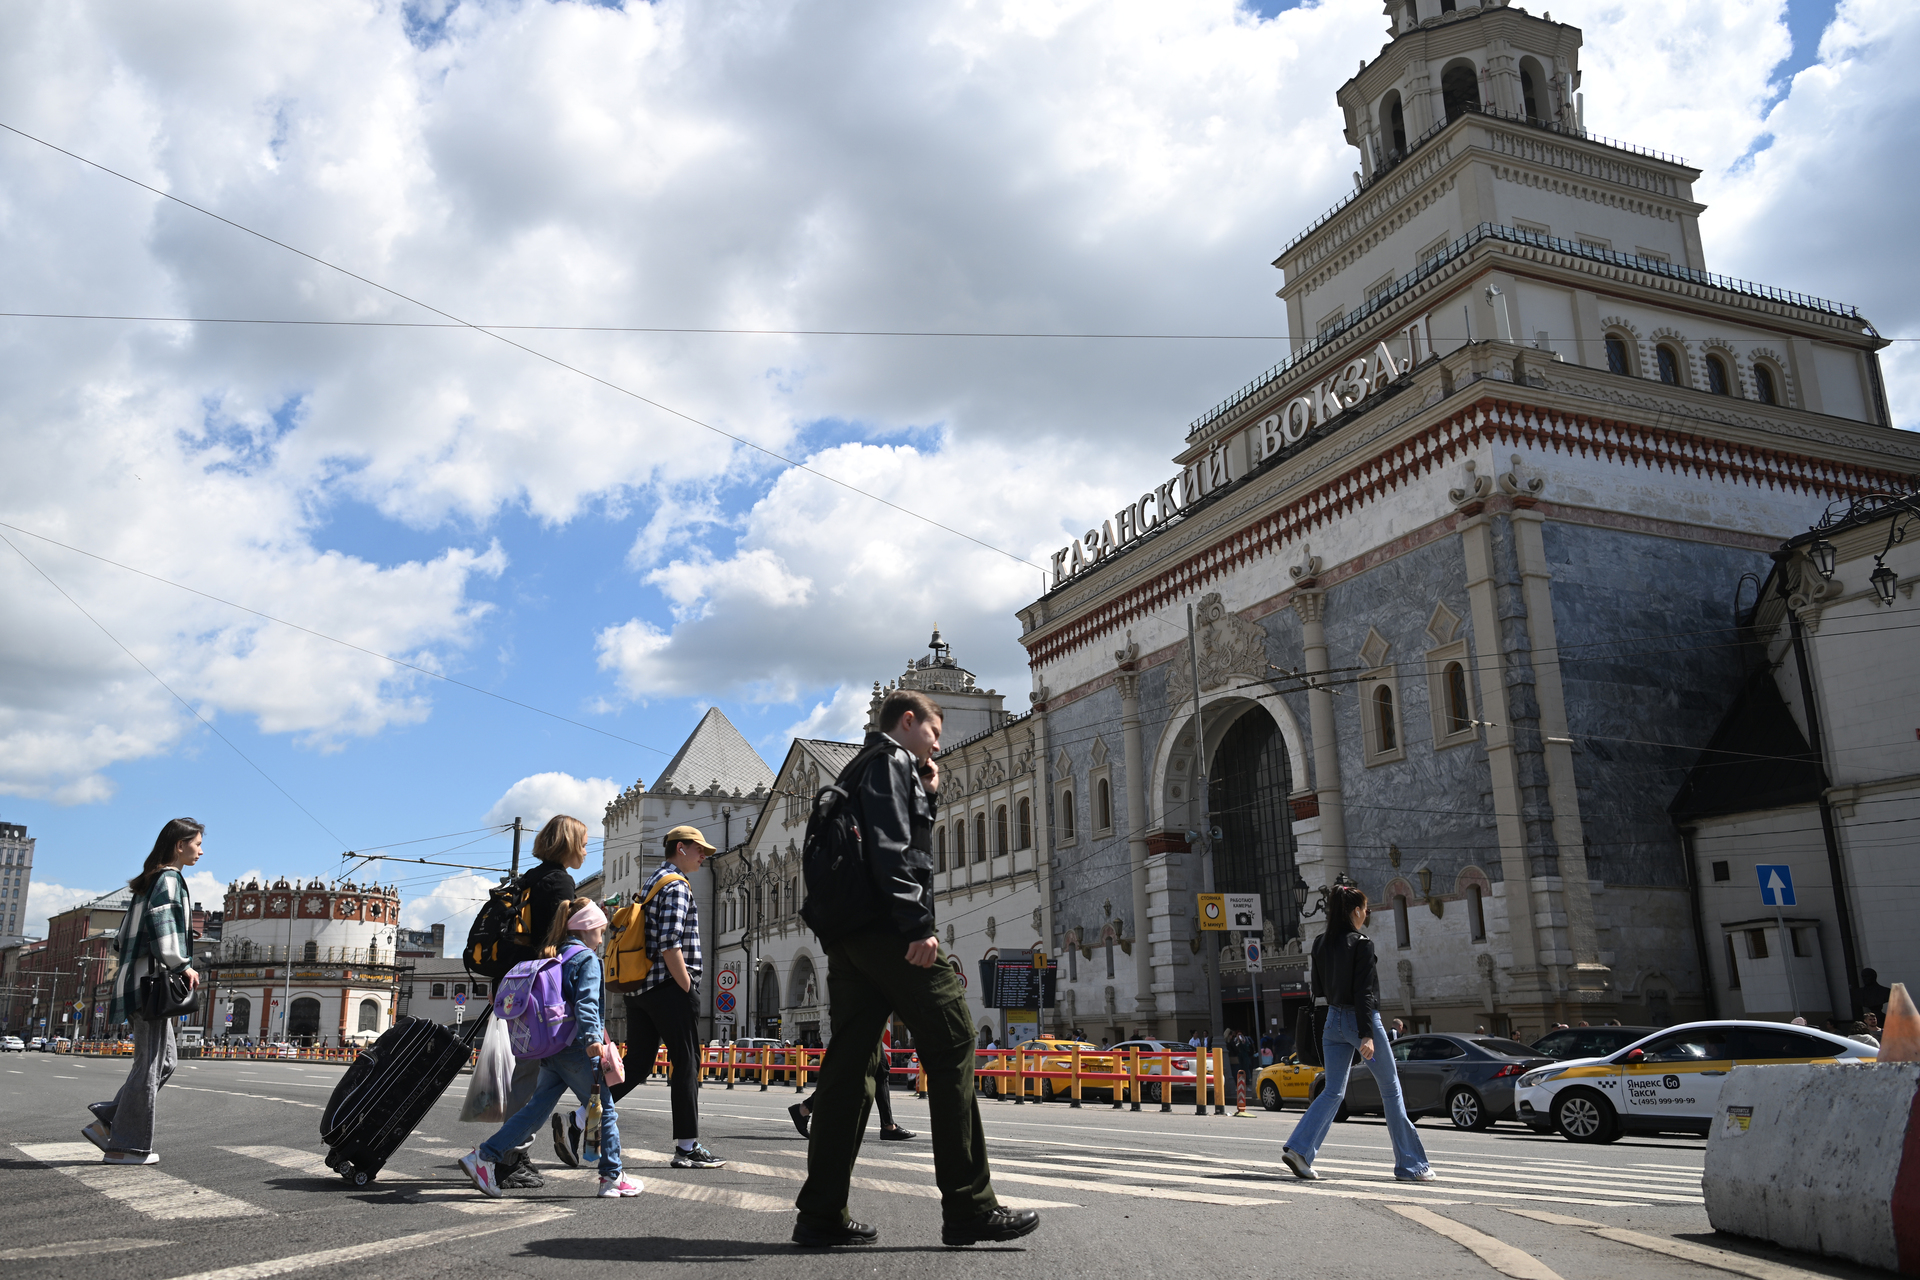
x=552 y=1009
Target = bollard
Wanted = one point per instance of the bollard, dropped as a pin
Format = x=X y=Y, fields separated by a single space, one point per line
x=1201 y=1065
x=1019 y=1078
x=1240 y=1094
x=731 y=1051
x=1073 y=1102
x=1219 y=1061
x=920 y=1076
x=766 y=1074
x=800 y=1074
x=1115 y=1068
x=1166 y=1086
x=1133 y=1077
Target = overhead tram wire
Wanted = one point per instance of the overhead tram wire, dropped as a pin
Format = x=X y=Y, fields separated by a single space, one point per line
x=520 y=346
x=194 y=711
x=689 y=330
x=321 y=635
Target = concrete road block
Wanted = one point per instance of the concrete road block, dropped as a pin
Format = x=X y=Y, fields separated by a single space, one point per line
x=1824 y=1159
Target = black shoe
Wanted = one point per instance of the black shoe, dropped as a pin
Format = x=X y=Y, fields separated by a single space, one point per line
x=809 y=1235
x=566 y=1139
x=698 y=1158
x=800 y=1117
x=894 y=1133
x=994 y=1224
x=520 y=1176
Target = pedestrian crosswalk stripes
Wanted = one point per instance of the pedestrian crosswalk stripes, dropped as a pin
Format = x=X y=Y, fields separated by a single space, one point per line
x=307 y=1162
x=142 y=1188
x=1138 y=1190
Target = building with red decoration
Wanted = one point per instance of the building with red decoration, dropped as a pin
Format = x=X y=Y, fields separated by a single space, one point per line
x=311 y=962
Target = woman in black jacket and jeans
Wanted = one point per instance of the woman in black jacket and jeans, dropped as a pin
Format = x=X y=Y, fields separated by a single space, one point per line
x=1346 y=972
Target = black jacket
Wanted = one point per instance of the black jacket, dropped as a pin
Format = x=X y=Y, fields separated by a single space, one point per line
x=896 y=822
x=1347 y=973
x=552 y=887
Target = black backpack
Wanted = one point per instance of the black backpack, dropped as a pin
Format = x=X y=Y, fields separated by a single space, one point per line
x=833 y=860
x=502 y=934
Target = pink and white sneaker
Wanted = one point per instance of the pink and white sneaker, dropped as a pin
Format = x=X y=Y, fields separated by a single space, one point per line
x=620 y=1186
x=480 y=1170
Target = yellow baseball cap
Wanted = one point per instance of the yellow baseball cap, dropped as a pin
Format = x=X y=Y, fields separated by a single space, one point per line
x=689 y=834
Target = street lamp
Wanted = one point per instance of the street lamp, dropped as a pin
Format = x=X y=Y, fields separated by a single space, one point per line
x=1884 y=580
x=1824 y=556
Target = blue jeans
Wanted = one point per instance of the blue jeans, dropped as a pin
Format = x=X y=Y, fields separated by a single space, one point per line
x=571 y=1068
x=1341 y=1045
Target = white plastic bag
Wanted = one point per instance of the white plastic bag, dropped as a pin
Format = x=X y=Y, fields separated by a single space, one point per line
x=492 y=1078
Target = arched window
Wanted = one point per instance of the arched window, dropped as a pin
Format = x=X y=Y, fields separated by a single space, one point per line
x=369 y=1015
x=1763 y=385
x=1067 y=817
x=1460 y=89
x=1446 y=6
x=1393 y=124
x=311 y=951
x=1618 y=358
x=1717 y=380
x=940 y=849
x=246 y=950
x=438 y=991
x=1669 y=364
x=1402 y=935
x=373 y=953
x=1023 y=828
x=242 y=1016
x=979 y=837
x=1103 y=806
x=1528 y=100
x=1458 y=719
x=960 y=843
x=1000 y=831
x=1386 y=736
x=1476 y=914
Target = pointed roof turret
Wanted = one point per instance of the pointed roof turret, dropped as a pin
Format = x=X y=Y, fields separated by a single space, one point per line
x=715 y=754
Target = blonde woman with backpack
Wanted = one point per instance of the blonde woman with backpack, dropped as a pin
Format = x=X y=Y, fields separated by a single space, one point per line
x=576 y=1065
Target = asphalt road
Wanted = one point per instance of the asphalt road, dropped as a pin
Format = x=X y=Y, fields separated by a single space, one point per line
x=240 y=1194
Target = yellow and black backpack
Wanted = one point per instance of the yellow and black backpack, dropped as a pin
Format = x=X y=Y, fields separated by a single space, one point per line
x=627 y=961
x=503 y=933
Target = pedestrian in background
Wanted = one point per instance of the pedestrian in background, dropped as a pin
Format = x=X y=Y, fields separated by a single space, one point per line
x=666 y=1008
x=1346 y=973
x=1397 y=1030
x=802 y=1111
x=155 y=938
x=887 y=962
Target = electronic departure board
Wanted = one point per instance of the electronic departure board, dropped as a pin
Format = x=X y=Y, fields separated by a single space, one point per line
x=1016 y=984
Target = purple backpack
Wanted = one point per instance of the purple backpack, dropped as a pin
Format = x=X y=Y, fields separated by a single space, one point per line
x=530 y=1001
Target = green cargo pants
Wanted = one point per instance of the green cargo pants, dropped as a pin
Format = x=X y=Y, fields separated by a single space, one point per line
x=868 y=978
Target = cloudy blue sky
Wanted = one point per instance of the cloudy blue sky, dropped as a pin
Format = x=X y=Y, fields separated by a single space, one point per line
x=482 y=513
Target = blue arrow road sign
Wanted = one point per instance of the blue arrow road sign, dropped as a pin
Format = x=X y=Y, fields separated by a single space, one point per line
x=1776 y=884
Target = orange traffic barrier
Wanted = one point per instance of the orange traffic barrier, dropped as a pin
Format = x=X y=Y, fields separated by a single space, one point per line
x=1900 y=1037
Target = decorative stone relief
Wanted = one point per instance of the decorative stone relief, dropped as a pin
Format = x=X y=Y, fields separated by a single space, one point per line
x=1521 y=482
x=1227 y=644
x=1443 y=626
x=1373 y=653
x=1307 y=569
x=1810 y=592
x=1472 y=493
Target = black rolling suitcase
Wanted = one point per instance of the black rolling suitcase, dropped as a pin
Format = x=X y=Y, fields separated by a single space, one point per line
x=388 y=1091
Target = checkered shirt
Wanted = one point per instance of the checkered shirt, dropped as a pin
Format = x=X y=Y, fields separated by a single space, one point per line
x=673 y=920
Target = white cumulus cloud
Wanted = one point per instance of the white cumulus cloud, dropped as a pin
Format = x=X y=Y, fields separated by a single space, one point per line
x=537 y=798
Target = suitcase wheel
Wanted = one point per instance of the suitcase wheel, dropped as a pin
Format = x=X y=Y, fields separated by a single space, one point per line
x=361 y=1177
x=334 y=1161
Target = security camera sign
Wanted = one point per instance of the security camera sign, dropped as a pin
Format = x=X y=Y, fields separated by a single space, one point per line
x=1243 y=912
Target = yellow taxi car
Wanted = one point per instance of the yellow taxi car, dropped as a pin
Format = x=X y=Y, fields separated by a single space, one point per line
x=1288 y=1079
x=1049 y=1053
x=1668 y=1082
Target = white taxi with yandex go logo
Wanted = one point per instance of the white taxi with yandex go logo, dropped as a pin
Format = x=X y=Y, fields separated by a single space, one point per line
x=1667 y=1083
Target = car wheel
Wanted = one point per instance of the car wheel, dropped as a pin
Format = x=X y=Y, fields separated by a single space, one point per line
x=1046 y=1091
x=1582 y=1115
x=1156 y=1092
x=1269 y=1095
x=1467 y=1111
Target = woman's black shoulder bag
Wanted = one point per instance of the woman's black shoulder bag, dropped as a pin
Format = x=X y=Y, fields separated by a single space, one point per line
x=167 y=995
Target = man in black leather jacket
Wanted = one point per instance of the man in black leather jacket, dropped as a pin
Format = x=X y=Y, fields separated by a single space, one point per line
x=891 y=964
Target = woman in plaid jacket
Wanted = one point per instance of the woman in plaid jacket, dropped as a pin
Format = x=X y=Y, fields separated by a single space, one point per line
x=154 y=935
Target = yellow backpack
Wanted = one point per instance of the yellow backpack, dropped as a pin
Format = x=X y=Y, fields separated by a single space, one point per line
x=627 y=960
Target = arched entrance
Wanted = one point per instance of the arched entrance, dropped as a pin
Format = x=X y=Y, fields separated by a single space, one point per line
x=242 y=1021
x=766 y=1003
x=1249 y=778
x=303 y=1020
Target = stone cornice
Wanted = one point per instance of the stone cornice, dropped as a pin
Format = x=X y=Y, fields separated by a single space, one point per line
x=1348 y=471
